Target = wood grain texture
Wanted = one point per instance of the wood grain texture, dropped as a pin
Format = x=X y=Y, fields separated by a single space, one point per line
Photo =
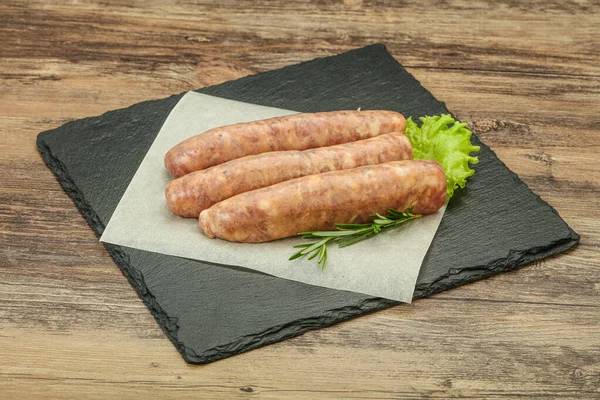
x=525 y=75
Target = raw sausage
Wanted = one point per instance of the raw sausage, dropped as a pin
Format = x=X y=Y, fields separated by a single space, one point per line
x=188 y=195
x=293 y=132
x=316 y=202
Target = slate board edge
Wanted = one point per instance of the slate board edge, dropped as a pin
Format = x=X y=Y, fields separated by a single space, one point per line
x=167 y=324
x=298 y=327
x=515 y=259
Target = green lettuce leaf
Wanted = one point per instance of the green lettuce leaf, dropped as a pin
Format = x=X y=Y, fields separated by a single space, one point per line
x=449 y=145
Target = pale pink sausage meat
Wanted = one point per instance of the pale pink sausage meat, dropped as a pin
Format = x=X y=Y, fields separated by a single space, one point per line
x=188 y=195
x=316 y=202
x=294 y=132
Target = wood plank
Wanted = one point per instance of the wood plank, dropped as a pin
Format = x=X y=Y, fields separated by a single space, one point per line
x=506 y=36
x=515 y=350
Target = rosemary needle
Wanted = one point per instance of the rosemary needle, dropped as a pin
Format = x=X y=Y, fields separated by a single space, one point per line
x=348 y=234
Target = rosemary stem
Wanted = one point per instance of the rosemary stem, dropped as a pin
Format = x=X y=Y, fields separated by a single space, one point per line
x=348 y=234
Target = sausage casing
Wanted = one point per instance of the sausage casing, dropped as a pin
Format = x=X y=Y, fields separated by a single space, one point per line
x=293 y=132
x=317 y=202
x=188 y=195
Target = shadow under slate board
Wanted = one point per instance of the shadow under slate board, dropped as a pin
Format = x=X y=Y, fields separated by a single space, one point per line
x=211 y=311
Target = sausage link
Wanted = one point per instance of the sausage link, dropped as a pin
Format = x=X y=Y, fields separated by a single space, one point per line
x=292 y=132
x=316 y=202
x=188 y=195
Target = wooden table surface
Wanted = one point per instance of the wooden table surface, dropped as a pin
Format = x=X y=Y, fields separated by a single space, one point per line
x=526 y=75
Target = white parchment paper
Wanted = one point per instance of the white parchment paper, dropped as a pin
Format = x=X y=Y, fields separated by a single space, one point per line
x=386 y=265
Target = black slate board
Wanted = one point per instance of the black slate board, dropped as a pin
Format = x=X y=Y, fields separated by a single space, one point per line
x=211 y=312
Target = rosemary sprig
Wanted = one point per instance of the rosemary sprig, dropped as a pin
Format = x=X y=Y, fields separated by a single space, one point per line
x=348 y=234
